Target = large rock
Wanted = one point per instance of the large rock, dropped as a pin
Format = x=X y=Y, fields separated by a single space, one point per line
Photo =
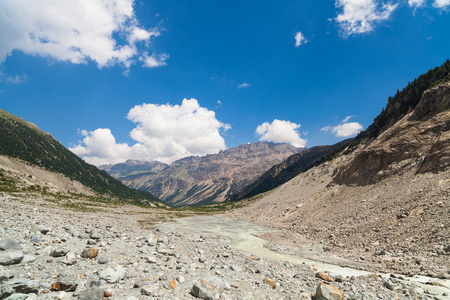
x=91 y=294
x=328 y=292
x=111 y=276
x=9 y=244
x=209 y=288
x=8 y=258
x=23 y=286
x=10 y=252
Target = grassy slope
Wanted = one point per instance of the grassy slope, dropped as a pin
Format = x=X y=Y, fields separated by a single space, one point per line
x=25 y=141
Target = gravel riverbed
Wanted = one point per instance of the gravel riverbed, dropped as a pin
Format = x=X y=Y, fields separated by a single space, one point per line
x=51 y=252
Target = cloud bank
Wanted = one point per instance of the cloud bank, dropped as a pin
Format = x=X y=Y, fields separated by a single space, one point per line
x=345 y=129
x=280 y=131
x=163 y=132
x=104 y=31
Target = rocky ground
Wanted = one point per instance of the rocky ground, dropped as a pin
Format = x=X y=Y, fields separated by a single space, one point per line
x=399 y=225
x=52 y=252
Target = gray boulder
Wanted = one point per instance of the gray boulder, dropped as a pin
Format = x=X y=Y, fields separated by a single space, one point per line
x=209 y=288
x=9 y=244
x=8 y=258
x=111 y=276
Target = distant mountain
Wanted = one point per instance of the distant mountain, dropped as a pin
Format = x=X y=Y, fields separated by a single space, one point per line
x=132 y=168
x=288 y=169
x=398 y=106
x=25 y=141
x=206 y=179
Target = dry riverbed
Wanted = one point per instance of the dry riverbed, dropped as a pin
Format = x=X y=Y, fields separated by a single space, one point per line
x=52 y=248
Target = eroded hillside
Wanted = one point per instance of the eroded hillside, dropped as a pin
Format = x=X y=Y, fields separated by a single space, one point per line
x=385 y=205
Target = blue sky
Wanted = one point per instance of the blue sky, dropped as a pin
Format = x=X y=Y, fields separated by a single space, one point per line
x=108 y=78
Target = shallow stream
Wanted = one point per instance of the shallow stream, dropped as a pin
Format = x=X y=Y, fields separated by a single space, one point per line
x=242 y=238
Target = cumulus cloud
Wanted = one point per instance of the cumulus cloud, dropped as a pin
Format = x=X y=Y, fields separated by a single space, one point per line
x=300 y=39
x=345 y=129
x=416 y=3
x=154 y=60
x=280 y=131
x=163 y=132
x=243 y=85
x=441 y=3
x=74 y=30
x=360 y=16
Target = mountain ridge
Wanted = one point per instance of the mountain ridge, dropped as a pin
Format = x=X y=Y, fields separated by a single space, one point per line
x=23 y=140
x=201 y=180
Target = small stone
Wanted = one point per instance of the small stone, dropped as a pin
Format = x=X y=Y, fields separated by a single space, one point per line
x=180 y=279
x=235 y=268
x=102 y=259
x=323 y=276
x=89 y=253
x=96 y=236
x=43 y=229
x=70 y=259
x=91 y=242
x=35 y=239
x=28 y=258
x=270 y=282
x=149 y=290
x=59 y=252
x=67 y=285
x=151 y=259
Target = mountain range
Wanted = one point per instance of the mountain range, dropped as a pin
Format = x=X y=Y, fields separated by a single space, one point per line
x=203 y=180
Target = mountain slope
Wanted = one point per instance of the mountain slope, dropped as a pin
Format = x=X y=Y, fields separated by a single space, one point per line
x=207 y=179
x=384 y=204
x=25 y=141
x=288 y=169
x=397 y=107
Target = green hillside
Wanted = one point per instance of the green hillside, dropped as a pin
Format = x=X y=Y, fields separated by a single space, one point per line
x=25 y=141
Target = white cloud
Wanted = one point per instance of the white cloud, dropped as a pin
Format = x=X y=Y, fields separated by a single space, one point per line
x=360 y=16
x=300 y=39
x=163 y=132
x=345 y=129
x=73 y=30
x=280 y=131
x=347 y=118
x=243 y=85
x=18 y=79
x=416 y=3
x=154 y=61
x=441 y=3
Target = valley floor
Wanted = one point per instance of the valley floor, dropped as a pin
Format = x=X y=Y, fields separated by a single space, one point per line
x=87 y=250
